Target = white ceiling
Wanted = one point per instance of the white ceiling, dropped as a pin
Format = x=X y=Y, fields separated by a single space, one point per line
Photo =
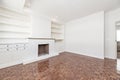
x=67 y=10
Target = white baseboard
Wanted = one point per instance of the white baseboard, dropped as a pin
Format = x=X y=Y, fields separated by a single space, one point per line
x=84 y=54
x=27 y=61
x=10 y=64
x=109 y=57
x=37 y=59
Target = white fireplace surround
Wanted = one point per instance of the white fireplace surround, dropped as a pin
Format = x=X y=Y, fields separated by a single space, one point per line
x=24 y=53
x=33 y=50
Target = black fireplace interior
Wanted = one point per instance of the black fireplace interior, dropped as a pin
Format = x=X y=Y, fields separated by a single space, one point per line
x=43 y=49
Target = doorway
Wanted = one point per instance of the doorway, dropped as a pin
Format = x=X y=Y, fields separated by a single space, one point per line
x=118 y=38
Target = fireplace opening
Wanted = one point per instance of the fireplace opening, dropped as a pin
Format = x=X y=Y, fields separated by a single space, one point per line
x=43 y=49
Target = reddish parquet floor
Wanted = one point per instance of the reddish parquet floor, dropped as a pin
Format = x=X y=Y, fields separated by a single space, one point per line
x=66 y=66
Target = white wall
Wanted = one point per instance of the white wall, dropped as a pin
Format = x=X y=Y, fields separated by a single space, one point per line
x=59 y=46
x=118 y=35
x=111 y=18
x=86 y=35
x=41 y=27
x=118 y=65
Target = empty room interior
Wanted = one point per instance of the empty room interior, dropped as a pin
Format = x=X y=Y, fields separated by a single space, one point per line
x=59 y=39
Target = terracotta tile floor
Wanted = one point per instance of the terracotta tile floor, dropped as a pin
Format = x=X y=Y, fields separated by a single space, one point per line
x=66 y=66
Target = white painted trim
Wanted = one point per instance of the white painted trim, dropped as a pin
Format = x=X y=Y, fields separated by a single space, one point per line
x=37 y=59
x=84 y=54
x=10 y=64
x=26 y=61
x=118 y=65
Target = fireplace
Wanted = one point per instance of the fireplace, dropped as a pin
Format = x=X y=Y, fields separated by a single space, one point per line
x=43 y=49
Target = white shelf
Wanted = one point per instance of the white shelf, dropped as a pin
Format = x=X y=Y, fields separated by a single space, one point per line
x=57 y=39
x=13 y=35
x=4 y=41
x=21 y=32
x=57 y=31
x=9 y=11
x=14 y=24
x=55 y=28
x=17 y=17
x=118 y=24
x=14 y=28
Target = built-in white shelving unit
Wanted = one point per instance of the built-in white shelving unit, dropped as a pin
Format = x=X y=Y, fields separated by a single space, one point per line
x=118 y=24
x=14 y=24
x=57 y=31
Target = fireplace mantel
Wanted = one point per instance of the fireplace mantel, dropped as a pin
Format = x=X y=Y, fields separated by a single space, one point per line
x=43 y=38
